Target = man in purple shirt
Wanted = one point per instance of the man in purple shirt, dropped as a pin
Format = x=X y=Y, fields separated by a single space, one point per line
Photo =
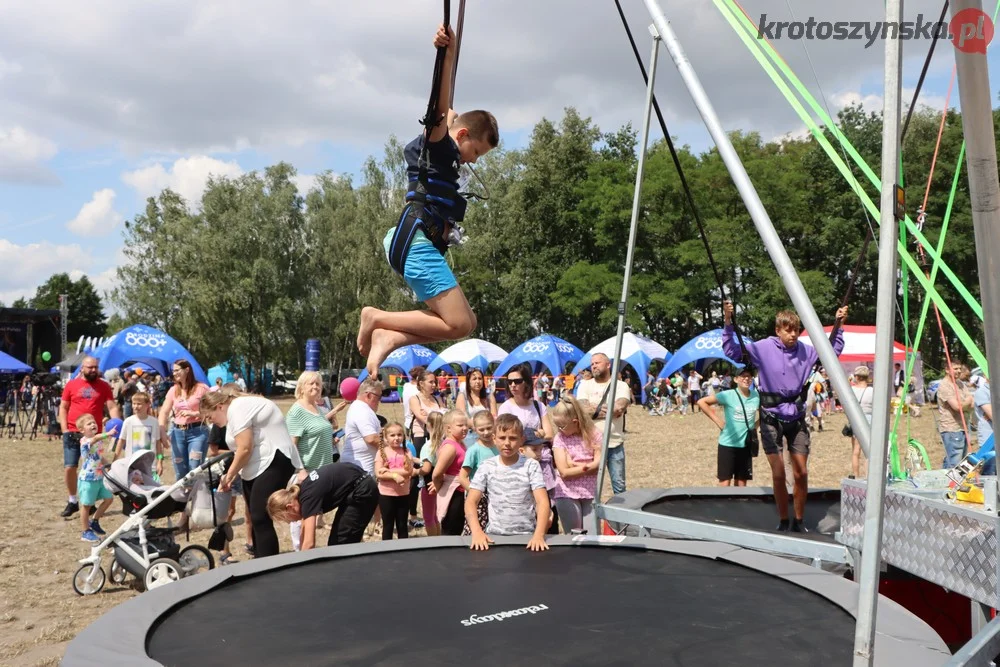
x=784 y=366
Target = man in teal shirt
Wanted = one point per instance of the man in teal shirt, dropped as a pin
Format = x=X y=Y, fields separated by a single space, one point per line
x=739 y=407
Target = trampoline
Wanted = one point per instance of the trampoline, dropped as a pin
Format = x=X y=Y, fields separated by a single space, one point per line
x=749 y=507
x=431 y=601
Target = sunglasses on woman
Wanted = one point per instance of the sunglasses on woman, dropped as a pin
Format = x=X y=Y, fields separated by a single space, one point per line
x=515 y=381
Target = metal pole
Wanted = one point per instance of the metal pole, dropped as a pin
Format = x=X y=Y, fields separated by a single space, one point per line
x=459 y=25
x=984 y=184
x=622 y=305
x=773 y=243
x=63 y=322
x=885 y=326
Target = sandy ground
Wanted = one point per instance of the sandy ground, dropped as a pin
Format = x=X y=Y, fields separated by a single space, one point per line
x=40 y=613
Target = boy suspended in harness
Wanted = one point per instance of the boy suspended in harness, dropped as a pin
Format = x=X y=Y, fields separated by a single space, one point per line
x=415 y=247
x=784 y=365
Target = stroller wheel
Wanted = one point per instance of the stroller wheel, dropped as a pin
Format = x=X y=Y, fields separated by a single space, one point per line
x=89 y=579
x=118 y=573
x=161 y=572
x=194 y=559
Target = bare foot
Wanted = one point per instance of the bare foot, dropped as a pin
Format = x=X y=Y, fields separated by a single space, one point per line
x=365 y=330
x=382 y=345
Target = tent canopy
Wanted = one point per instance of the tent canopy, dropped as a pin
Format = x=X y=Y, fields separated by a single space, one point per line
x=141 y=343
x=471 y=353
x=859 y=350
x=544 y=351
x=703 y=346
x=637 y=351
x=404 y=359
x=859 y=345
x=9 y=364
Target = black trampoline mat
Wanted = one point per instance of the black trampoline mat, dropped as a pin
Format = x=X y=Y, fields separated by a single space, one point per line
x=592 y=606
x=753 y=512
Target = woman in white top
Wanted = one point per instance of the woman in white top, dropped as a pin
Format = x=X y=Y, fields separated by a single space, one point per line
x=421 y=405
x=265 y=457
x=864 y=393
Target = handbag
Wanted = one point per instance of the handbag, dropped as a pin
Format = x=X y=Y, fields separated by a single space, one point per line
x=752 y=442
x=847 y=431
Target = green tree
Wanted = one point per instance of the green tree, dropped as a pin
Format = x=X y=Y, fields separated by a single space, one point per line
x=86 y=312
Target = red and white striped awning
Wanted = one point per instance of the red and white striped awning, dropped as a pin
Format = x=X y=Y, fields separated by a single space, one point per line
x=859 y=344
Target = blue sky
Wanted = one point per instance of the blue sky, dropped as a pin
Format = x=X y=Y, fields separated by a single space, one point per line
x=105 y=103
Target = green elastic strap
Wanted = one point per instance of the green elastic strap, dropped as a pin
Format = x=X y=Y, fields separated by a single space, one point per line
x=746 y=26
x=747 y=33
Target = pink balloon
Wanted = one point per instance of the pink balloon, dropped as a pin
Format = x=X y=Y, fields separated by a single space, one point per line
x=349 y=389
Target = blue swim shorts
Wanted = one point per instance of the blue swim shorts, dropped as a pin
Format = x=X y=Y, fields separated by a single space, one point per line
x=426 y=271
x=92 y=491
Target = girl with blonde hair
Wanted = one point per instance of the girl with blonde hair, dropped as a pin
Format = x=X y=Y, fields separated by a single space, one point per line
x=393 y=468
x=576 y=451
x=428 y=458
x=445 y=480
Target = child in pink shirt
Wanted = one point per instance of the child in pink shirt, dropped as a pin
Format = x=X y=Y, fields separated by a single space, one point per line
x=576 y=451
x=445 y=480
x=393 y=468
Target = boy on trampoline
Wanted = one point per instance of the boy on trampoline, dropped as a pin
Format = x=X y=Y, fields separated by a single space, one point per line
x=415 y=247
x=513 y=483
x=784 y=365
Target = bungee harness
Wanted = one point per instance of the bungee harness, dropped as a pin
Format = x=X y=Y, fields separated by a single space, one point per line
x=433 y=205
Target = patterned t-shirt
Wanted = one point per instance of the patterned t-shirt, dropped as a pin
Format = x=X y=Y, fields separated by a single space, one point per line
x=510 y=489
x=578 y=451
x=140 y=434
x=91 y=464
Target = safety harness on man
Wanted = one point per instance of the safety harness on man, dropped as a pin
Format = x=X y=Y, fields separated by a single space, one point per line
x=432 y=206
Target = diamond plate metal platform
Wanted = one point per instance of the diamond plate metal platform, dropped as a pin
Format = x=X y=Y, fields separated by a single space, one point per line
x=950 y=543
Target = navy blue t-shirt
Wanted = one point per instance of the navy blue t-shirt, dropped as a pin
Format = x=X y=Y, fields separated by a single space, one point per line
x=327 y=487
x=443 y=163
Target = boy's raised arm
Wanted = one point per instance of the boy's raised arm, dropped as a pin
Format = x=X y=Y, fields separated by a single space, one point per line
x=446 y=38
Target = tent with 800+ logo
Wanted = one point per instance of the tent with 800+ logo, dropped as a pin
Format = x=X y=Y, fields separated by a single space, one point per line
x=143 y=344
x=703 y=346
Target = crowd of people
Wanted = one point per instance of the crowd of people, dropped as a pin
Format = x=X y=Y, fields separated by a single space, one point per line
x=462 y=461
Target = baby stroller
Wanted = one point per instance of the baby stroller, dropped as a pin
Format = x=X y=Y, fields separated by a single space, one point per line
x=148 y=553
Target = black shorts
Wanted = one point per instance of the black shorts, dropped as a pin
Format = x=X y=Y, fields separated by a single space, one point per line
x=776 y=434
x=735 y=463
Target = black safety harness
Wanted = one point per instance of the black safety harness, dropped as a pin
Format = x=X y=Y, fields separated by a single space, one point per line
x=431 y=204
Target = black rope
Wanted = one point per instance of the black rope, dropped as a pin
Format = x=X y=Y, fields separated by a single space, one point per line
x=432 y=119
x=923 y=71
x=684 y=184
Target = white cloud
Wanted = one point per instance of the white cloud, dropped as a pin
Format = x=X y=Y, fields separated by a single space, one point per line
x=305 y=182
x=7 y=67
x=97 y=217
x=186 y=176
x=224 y=75
x=28 y=266
x=106 y=280
x=23 y=154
